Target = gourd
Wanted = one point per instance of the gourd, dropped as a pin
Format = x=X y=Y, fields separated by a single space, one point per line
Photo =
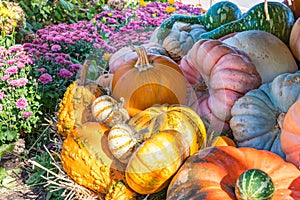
x=87 y=160
x=148 y=79
x=74 y=109
x=219 y=74
x=180 y=40
x=212 y=174
x=257 y=116
x=152 y=165
x=295 y=40
x=254 y=184
x=109 y=111
x=223 y=140
x=105 y=81
x=268 y=53
x=290 y=135
x=280 y=23
x=218 y=14
x=127 y=53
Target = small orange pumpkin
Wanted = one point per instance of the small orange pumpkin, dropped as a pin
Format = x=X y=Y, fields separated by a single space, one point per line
x=148 y=79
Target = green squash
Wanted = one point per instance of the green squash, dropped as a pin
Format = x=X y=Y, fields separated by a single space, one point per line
x=257 y=116
x=254 y=184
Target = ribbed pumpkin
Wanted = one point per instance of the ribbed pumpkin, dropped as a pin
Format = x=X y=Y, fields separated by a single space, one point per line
x=87 y=160
x=180 y=40
x=290 y=135
x=256 y=117
x=269 y=54
x=74 y=109
x=219 y=74
x=109 y=111
x=295 y=39
x=126 y=54
x=155 y=161
x=212 y=173
x=147 y=80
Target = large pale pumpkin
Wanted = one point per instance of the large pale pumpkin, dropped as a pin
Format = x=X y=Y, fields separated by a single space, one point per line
x=219 y=74
x=180 y=40
x=269 y=54
x=290 y=135
x=295 y=39
x=255 y=116
x=147 y=80
x=74 y=109
x=212 y=173
x=87 y=160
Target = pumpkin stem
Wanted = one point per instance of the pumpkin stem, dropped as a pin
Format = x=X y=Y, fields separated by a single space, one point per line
x=280 y=120
x=200 y=86
x=142 y=63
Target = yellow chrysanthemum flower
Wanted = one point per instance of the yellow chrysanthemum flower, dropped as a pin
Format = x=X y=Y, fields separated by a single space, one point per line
x=143 y=3
x=171 y=1
x=106 y=56
x=170 y=9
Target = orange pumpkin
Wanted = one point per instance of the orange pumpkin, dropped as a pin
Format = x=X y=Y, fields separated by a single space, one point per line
x=294 y=5
x=290 y=134
x=148 y=79
x=212 y=174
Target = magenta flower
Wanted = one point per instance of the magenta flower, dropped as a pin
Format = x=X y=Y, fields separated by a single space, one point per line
x=2 y=95
x=21 y=103
x=97 y=45
x=42 y=70
x=14 y=83
x=20 y=65
x=55 y=47
x=65 y=73
x=11 y=70
x=27 y=114
x=1 y=108
x=5 y=77
x=23 y=81
x=45 y=78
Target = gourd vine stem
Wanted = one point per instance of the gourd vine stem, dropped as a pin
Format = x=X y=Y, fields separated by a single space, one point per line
x=280 y=120
x=83 y=72
x=267 y=10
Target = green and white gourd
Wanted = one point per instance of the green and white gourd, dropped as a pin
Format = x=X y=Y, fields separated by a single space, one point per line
x=280 y=23
x=254 y=184
x=217 y=15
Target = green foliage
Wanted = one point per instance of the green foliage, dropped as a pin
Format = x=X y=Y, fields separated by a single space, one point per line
x=40 y=13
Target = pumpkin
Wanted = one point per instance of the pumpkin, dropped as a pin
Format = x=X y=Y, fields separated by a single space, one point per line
x=254 y=184
x=294 y=5
x=105 y=80
x=180 y=40
x=290 y=135
x=176 y=117
x=75 y=107
x=147 y=80
x=109 y=111
x=256 y=117
x=295 y=39
x=219 y=74
x=125 y=54
x=87 y=160
x=223 y=140
x=212 y=174
x=122 y=141
x=151 y=166
x=269 y=54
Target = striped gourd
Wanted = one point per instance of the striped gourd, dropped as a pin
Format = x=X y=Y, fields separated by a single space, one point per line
x=254 y=184
x=280 y=23
x=109 y=111
x=122 y=141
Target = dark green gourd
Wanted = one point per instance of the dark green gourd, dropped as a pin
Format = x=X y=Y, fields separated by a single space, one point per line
x=280 y=23
x=218 y=14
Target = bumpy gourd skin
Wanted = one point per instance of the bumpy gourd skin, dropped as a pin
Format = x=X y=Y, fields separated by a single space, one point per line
x=218 y=14
x=280 y=23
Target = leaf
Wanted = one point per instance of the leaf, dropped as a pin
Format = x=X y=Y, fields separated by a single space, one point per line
x=3 y=174
x=6 y=148
x=93 y=71
x=66 y=5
